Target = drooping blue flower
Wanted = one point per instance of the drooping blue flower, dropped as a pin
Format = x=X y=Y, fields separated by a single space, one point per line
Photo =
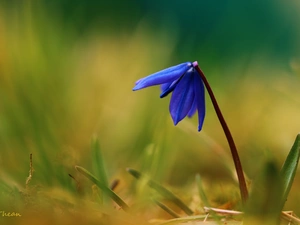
x=187 y=89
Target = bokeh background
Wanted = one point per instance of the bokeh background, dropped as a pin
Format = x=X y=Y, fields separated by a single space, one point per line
x=67 y=69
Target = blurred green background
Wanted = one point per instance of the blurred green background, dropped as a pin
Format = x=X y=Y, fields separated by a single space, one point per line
x=67 y=69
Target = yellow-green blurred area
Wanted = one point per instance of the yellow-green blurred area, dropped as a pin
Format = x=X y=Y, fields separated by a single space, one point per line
x=67 y=69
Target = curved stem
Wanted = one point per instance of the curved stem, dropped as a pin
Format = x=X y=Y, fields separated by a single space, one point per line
x=233 y=149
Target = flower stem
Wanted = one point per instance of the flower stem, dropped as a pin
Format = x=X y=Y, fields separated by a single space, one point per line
x=233 y=149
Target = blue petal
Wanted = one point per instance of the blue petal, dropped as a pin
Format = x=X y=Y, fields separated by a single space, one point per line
x=193 y=109
x=183 y=97
x=199 y=98
x=169 y=87
x=164 y=76
x=165 y=86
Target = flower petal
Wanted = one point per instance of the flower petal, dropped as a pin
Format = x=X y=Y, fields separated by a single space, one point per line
x=183 y=97
x=169 y=87
x=193 y=109
x=199 y=98
x=164 y=76
x=165 y=86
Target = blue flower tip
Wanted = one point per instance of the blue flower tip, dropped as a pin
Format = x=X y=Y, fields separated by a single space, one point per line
x=162 y=95
x=135 y=88
x=199 y=128
x=175 y=122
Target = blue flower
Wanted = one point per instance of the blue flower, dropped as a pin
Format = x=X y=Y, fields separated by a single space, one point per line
x=187 y=87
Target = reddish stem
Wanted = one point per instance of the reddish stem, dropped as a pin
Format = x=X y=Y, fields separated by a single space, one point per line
x=233 y=149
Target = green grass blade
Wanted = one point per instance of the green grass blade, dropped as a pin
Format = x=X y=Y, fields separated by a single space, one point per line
x=263 y=205
x=103 y=187
x=166 y=208
x=204 y=198
x=201 y=191
x=289 y=168
x=163 y=191
x=98 y=162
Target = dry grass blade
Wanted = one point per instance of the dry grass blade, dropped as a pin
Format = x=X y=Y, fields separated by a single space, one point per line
x=289 y=216
x=30 y=171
